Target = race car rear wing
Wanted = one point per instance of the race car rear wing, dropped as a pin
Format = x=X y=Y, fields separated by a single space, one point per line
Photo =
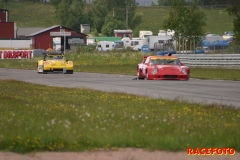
x=52 y=53
x=168 y=54
x=145 y=57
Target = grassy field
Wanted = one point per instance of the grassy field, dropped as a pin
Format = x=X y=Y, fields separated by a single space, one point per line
x=218 y=21
x=42 y=118
x=43 y=15
x=29 y=14
x=118 y=62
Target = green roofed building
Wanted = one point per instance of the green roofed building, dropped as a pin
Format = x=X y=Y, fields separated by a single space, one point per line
x=111 y=39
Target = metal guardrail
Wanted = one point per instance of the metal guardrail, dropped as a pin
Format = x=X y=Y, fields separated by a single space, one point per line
x=39 y=51
x=210 y=59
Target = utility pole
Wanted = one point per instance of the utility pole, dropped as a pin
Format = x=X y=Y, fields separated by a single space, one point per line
x=127 y=17
x=64 y=43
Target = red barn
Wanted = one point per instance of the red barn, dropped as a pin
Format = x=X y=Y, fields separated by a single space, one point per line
x=7 y=29
x=3 y=15
x=43 y=39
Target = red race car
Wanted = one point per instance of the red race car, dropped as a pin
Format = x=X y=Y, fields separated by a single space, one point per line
x=162 y=68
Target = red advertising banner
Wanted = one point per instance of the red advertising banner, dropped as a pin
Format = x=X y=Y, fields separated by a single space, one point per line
x=16 y=54
x=211 y=151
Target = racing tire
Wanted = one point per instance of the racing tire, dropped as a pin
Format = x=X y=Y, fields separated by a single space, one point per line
x=44 y=71
x=147 y=78
x=138 y=74
x=38 y=70
x=41 y=71
x=69 y=72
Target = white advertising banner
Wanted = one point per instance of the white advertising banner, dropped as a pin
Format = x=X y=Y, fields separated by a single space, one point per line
x=16 y=54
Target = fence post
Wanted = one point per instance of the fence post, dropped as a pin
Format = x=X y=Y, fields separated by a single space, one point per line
x=2 y=56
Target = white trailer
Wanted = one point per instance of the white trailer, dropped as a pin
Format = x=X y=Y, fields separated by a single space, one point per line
x=134 y=43
x=105 y=46
x=137 y=43
x=126 y=42
x=153 y=40
x=145 y=34
x=91 y=41
x=162 y=33
x=168 y=32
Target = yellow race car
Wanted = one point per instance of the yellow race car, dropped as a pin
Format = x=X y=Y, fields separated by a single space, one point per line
x=54 y=62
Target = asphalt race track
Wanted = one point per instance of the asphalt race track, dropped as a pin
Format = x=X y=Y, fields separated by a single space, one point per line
x=194 y=90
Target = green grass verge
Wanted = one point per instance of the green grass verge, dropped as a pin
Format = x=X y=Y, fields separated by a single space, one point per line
x=118 y=62
x=42 y=118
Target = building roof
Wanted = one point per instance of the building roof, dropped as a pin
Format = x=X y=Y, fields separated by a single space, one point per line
x=1 y=9
x=122 y=31
x=47 y=29
x=43 y=30
x=213 y=38
x=23 y=32
x=111 y=39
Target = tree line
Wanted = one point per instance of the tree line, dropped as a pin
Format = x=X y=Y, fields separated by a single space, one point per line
x=200 y=2
x=104 y=16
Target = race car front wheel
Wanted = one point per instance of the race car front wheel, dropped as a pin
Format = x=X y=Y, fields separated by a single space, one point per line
x=69 y=72
x=43 y=71
x=147 y=77
x=138 y=74
x=40 y=69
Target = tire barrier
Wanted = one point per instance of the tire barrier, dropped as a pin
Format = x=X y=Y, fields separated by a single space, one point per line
x=16 y=54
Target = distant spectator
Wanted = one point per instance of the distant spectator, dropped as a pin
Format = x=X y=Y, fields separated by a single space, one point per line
x=62 y=49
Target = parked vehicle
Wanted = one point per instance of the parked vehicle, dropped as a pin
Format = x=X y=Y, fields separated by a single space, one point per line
x=163 y=47
x=126 y=42
x=228 y=35
x=137 y=43
x=118 y=44
x=91 y=41
x=134 y=43
x=162 y=33
x=154 y=40
x=145 y=34
x=168 y=32
x=105 y=46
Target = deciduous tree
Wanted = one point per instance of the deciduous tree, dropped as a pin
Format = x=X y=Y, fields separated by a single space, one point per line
x=120 y=11
x=187 y=21
x=164 y=2
x=234 y=10
x=2 y=3
x=55 y=3
x=70 y=13
x=111 y=24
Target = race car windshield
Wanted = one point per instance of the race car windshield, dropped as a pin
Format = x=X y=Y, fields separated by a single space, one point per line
x=58 y=57
x=52 y=57
x=164 y=61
